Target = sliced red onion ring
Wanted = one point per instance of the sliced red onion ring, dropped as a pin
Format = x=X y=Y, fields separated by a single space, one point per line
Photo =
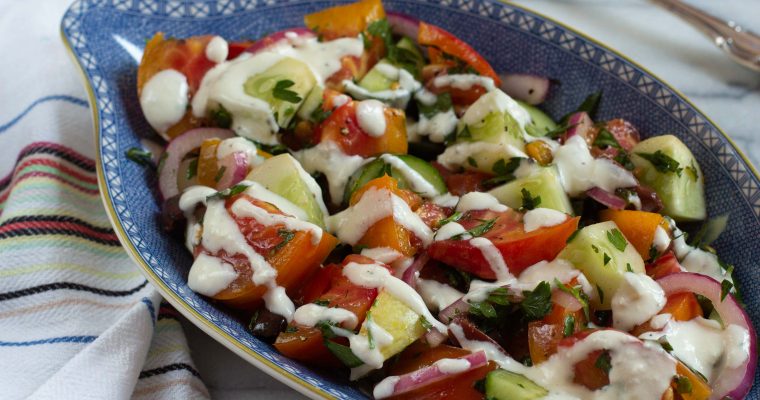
x=277 y=37
x=457 y=308
x=580 y=124
x=531 y=89
x=425 y=376
x=410 y=274
x=176 y=151
x=403 y=24
x=435 y=338
x=735 y=382
x=566 y=301
x=235 y=169
x=606 y=198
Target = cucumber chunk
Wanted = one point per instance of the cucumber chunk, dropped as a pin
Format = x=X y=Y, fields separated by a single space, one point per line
x=311 y=103
x=396 y=318
x=375 y=80
x=288 y=70
x=504 y=385
x=540 y=123
x=283 y=175
x=683 y=191
x=378 y=167
x=490 y=119
x=543 y=182
x=589 y=250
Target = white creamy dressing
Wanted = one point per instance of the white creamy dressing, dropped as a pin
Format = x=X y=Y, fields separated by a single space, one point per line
x=253 y=117
x=636 y=301
x=163 y=99
x=704 y=346
x=244 y=209
x=373 y=276
x=370 y=354
x=579 y=171
x=542 y=218
x=328 y=158
x=417 y=183
x=457 y=155
x=452 y=365
x=480 y=201
x=438 y=127
x=464 y=81
x=426 y=97
x=370 y=115
x=385 y=388
x=351 y=224
x=217 y=49
x=210 y=275
x=493 y=257
x=311 y=314
x=239 y=145
x=696 y=260
x=340 y=100
x=661 y=240
x=385 y=255
x=437 y=295
x=398 y=97
x=495 y=101
x=493 y=352
x=258 y=191
x=450 y=230
x=547 y=271
x=446 y=200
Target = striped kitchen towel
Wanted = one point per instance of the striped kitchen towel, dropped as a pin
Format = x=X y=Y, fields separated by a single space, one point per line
x=77 y=320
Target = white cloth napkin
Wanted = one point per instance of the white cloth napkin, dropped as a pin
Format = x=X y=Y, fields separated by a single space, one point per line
x=77 y=319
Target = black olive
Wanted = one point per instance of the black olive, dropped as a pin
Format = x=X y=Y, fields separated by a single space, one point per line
x=267 y=325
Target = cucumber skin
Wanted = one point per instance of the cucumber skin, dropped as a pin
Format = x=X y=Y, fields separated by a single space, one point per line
x=541 y=123
x=375 y=81
x=682 y=197
x=375 y=169
x=543 y=182
x=505 y=385
x=607 y=277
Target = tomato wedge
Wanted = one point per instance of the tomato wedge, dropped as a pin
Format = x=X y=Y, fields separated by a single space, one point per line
x=519 y=249
x=306 y=343
x=545 y=335
x=294 y=259
x=431 y=35
x=342 y=127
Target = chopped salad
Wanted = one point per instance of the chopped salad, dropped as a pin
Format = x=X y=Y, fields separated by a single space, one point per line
x=376 y=198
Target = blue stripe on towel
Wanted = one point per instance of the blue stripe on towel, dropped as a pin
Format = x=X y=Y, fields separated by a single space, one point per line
x=151 y=309
x=59 y=97
x=62 y=339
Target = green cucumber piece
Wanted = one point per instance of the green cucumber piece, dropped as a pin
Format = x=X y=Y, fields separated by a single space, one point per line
x=409 y=55
x=682 y=193
x=589 y=250
x=376 y=81
x=378 y=167
x=263 y=84
x=283 y=175
x=544 y=182
x=504 y=385
x=540 y=123
x=311 y=103
x=487 y=120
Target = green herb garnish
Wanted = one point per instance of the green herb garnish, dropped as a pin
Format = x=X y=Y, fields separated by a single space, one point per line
x=569 y=326
x=139 y=156
x=528 y=201
x=229 y=192
x=604 y=362
x=662 y=162
x=537 y=303
x=282 y=92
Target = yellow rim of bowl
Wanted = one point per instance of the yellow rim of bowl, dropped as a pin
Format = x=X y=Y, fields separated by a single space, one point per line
x=283 y=375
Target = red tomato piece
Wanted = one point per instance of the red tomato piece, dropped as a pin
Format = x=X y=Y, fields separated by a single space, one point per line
x=663 y=266
x=431 y=35
x=520 y=249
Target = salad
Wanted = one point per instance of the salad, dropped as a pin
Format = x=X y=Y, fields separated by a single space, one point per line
x=379 y=201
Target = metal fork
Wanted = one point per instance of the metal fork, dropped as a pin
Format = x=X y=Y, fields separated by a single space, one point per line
x=742 y=45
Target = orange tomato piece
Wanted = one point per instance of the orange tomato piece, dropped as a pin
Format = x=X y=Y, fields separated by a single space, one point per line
x=700 y=390
x=431 y=35
x=346 y=20
x=208 y=167
x=342 y=127
x=680 y=306
x=545 y=335
x=637 y=226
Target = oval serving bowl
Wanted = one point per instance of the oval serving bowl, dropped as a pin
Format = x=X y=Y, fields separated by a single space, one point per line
x=106 y=38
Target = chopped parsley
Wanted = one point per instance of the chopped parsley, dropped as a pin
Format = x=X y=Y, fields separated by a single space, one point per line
x=220 y=173
x=319 y=114
x=538 y=302
x=370 y=339
x=683 y=384
x=281 y=91
x=604 y=362
x=472 y=162
x=692 y=171
x=572 y=236
x=451 y=218
x=320 y=302
x=286 y=236
x=617 y=239
x=502 y=167
x=725 y=288
x=273 y=149
x=221 y=117
x=192 y=169
x=229 y=192
x=569 y=327
x=662 y=162
x=606 y=259
x=528 y=201
x=483 y=309
x=343 y=353
x=479 y=230
x=575 y=292
x=464 y=133
x=628 y=267
x=590 y=105
x=425 y=323
x=442 y=104
x=605 y=138
x=139 y=156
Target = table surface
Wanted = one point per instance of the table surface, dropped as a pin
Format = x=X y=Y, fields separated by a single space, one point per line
x=668 y=47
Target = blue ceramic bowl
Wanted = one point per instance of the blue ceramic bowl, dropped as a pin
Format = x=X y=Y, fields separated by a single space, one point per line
x=106 y=38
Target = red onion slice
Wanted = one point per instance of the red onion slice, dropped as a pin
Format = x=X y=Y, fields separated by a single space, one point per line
x=606 y=198
x=580 y=124
x=410 y=274
x=397 y=385
x=235 y=169
x=735 y=382
x=566 y=301
x=403 y=24
x=435 y=338
x=531 y=89
x=176 y=151
x=457 y=308
x=277 y=37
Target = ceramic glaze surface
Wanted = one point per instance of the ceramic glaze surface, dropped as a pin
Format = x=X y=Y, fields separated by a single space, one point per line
x=107 y=37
